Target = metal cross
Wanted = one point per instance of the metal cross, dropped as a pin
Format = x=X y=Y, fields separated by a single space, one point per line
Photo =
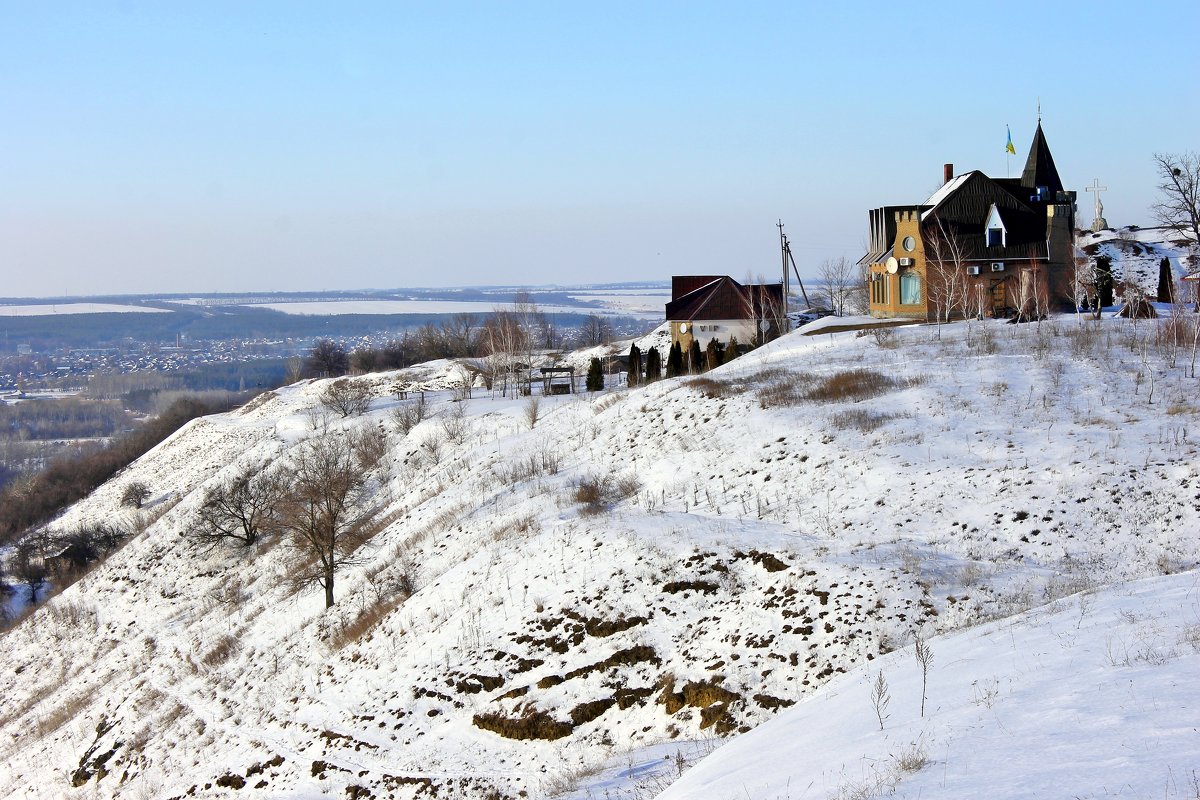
x=1097 y=188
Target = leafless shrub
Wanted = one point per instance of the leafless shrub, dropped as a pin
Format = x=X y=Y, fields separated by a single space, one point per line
x=924 y=656
x=861 y=419
x=454 y=423
x=410 y=413
x=841 y=387
x=880 y=698
x=984 y=341
x=885 y=338
x=711 y=388
x=597 y=492
x=347 y=397
x=221 y=651
x=1191 y=637
x=911 y=759
x=432 y=445
x=369 y=445
x=532 y=410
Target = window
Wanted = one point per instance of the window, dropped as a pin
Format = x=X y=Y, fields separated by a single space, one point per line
x=910 y=289
x=995 y=237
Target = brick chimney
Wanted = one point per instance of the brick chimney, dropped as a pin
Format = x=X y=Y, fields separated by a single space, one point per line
x=947 y=173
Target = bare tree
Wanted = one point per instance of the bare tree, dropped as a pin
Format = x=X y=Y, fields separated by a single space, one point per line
x=460 y=333
x=327 y=359
x=135 y=494
x=1179 y=208
x=241 y=509
x=1083 y=283
x=504 y=340
x=347 y=397
x=28 y=568
x=946 y=274
x=595 y=330
x=839 y=281
x=320 y=511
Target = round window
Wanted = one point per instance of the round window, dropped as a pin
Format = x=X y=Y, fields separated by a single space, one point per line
x=910 y=244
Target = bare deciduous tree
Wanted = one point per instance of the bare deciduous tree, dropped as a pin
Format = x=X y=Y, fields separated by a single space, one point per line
x=839 y=281
x=241 y=509
x=595 y=330
x=327 y=359
x=320 y=511
x=1179 y=208
x=347 y=397
x=946 y=274
x=135 y=494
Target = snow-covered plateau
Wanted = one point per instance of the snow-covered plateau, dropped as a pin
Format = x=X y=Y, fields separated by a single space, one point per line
x=583 y=599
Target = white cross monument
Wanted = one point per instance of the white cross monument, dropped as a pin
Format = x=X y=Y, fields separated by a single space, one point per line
x=1099 y=223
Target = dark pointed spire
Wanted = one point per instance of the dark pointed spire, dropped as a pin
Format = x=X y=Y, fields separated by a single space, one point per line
x=1039 y=166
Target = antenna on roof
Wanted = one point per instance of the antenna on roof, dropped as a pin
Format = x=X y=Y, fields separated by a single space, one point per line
x=1039 y=109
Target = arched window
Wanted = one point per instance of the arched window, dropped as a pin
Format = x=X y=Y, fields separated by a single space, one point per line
x=910 y=289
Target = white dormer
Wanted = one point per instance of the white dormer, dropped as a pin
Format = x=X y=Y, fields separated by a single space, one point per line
x=994 y=232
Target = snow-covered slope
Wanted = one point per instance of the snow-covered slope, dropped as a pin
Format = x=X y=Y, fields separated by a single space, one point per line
x=1137 y=252
x=744 y=546
x=1091 y=696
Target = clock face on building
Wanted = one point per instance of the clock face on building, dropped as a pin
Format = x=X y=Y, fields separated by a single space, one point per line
x=683 y=327
x=909 y=244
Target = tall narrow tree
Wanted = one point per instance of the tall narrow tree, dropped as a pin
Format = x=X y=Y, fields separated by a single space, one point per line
x=635 y=365
x=1166 y=283
x=674 y=361
x=653 y=365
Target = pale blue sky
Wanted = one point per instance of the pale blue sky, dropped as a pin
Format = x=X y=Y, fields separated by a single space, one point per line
x=230 y=146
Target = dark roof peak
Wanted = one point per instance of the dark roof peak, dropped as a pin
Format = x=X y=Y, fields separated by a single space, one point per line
x=1039 y=166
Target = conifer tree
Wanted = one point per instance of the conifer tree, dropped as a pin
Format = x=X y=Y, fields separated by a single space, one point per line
x=1104 y=281
x=714 y=354
x=731 y=349
x=653 y=365
x=674 y=360
x=695 y=359
x=595 y=376
x=635 y=365
x=1166 y=288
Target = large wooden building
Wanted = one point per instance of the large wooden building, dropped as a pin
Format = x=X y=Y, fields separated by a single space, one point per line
x=705 y=307
x=978 y=246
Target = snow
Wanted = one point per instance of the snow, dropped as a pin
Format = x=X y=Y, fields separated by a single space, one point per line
x=752 y=560
x=49 y=309
x=1090 y=696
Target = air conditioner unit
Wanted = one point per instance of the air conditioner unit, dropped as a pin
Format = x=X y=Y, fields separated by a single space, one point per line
x=906 y=262
x=997 y=266
x=972 y=270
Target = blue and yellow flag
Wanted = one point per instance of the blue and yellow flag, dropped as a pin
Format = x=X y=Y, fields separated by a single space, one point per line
x=1009 y=147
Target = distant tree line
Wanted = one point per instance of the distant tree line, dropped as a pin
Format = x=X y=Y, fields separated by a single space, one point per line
x=515 y=332
x=36 y=499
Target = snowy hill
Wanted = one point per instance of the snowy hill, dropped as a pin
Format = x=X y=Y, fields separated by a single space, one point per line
x=1137 y=252
x=1090 y=696
x=663 y=564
